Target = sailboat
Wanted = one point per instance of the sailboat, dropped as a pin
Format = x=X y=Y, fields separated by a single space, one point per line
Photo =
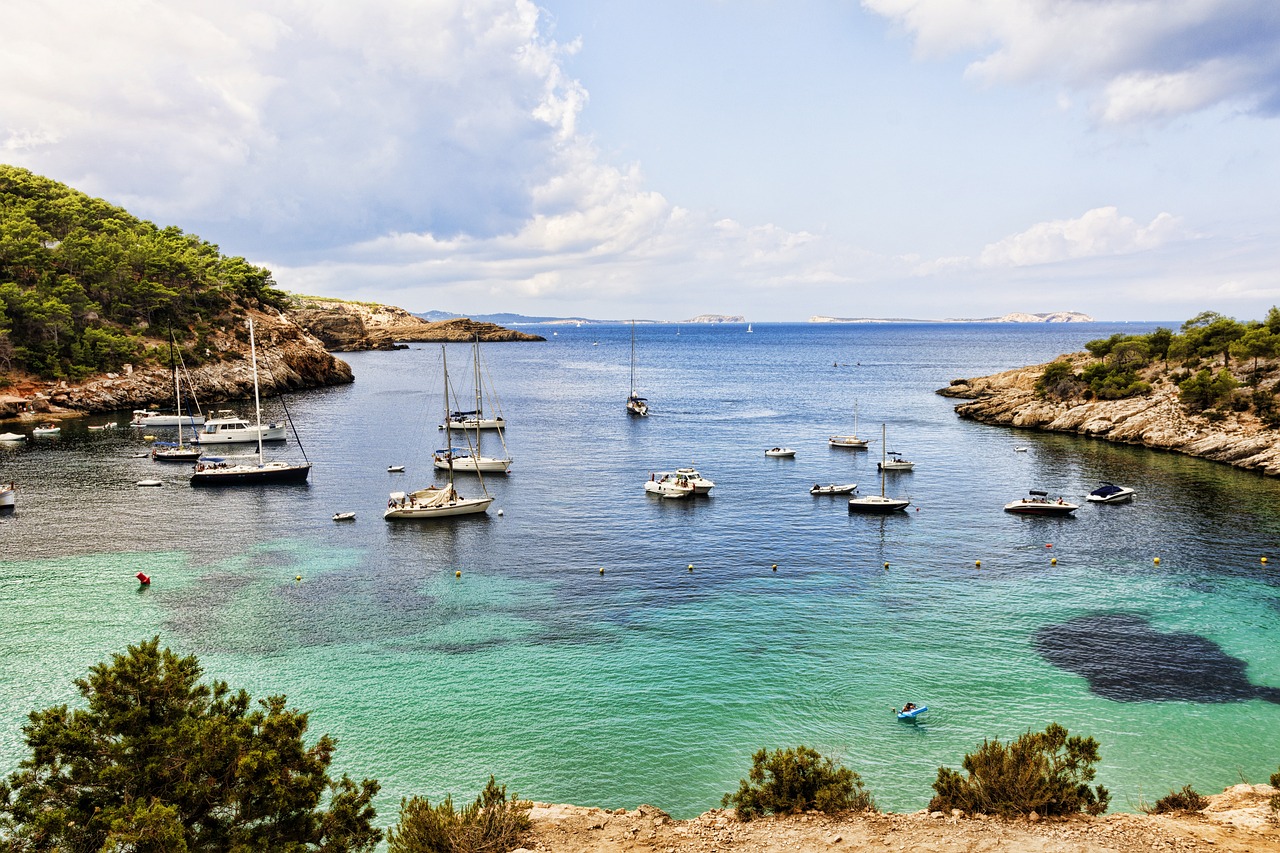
x=636 y=405
x=221 y=472
x=850 y=441
x=748 y=327
x=474 y=419
x=435 y=502
x=467 y=458
x=878 y=503
x=167 y=451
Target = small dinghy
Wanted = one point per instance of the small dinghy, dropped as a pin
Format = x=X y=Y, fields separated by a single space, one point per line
x=344 y=516
x=834 y=489
x=911 y=712
x=150 y=483
x=780 y=453
x=395 y=469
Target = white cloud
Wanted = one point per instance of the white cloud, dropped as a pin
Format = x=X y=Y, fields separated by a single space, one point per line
x=1098 y=233
x=1139 y=59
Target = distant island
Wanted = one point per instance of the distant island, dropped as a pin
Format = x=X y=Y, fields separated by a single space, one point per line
x=1016 y=317
x=525 y=320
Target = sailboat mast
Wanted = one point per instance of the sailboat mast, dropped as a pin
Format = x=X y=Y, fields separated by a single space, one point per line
x=257 y=406
x=633 y=358
x=177 y=390
x=882 y=459
x=444 y=363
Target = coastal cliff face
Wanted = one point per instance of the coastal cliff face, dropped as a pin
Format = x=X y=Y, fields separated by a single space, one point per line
x=358 y=326
x=288 y=359
x=1155 y=420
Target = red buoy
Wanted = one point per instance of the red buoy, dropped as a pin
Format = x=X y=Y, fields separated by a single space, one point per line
x=143 y=579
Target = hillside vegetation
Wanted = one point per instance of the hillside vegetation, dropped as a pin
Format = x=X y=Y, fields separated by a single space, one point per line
x=1217 y=363
x=85 y=287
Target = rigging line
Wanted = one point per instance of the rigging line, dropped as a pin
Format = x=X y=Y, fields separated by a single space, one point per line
x=191 y=386
x=474 y=451
x=284 y=403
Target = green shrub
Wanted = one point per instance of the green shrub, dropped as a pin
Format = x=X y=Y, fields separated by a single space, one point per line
x=1059 y=380
x=491 y=823
x=1186 y=800
x=1044 y=772
x=1275 y=779
x=788 y=781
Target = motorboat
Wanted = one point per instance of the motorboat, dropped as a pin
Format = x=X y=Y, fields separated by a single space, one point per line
x=149 y=483
x=12 y=436
x=636 y=405
x=1039 y=504
x=46 y=430
x=834 y=489
x=8 y=494
x=147 y=419
x=895 y=463
x=234 y=430
x=879 y=504
x=1110 y=493
x=780 y=453
x=669 y=485
x=226 y=472
x=395 y=469
x=435 y=502
x=344 y=516
x=850 y=441
x=701 y=485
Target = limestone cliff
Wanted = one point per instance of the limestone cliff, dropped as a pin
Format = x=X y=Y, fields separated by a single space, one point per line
x=357 y=326
x=288 y=359
x=1157 y=420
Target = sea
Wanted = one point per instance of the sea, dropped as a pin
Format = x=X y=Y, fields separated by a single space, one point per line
x=586 y=642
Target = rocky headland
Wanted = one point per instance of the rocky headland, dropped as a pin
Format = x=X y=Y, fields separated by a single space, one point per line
x=1239 y=819
x=1156 y=420
x=357 y=326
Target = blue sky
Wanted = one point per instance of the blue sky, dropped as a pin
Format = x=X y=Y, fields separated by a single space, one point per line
x=888 y=158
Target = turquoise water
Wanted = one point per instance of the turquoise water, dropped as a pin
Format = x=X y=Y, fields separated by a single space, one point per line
x=651 y=683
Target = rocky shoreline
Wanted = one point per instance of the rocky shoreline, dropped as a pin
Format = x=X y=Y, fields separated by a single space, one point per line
x=1157 y=420
x=1239 y=819
x=358 y=326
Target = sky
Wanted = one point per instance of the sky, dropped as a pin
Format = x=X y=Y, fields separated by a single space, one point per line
x=776 y=159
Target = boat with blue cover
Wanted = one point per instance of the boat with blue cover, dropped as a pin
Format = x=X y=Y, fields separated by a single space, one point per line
x=1110 y=493
x=911 y=712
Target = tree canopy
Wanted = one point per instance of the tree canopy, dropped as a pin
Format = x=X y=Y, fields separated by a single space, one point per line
x=82 y=281
x=158 y=761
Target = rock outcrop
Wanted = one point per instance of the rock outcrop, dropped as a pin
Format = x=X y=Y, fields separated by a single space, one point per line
x=1156 y=420
x=358 y=326
x=288 y=359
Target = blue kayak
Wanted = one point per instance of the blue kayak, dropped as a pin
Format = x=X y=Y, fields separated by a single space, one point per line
x=913 y=713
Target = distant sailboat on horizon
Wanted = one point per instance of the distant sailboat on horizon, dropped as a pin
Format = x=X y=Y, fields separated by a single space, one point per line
x=748 y=327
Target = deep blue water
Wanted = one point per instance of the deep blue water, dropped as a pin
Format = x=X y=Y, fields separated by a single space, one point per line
x=651 y=682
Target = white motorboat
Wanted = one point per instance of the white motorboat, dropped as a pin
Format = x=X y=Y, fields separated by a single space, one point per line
x=434 y=502
x=395 y=469
x=701 y=485
x=895 y=463
x=233 y=430
x=223 y=472
x=469 y=459
x=1039 y=504
x=780 y=453
x=8 y=494
x=147 y=419
x=878 y=504
x=344 y=516
x=834 y=489
x=12 y=436
x=48 y=429
x=150 y=483
x=636 y=405
x=668 y=485
x=850 y=441
x=1110 y=493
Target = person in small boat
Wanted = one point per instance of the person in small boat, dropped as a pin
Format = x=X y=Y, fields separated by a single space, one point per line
x=907 y=708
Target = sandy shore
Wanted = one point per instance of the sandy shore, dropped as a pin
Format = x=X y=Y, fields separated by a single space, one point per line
x=1239 y=819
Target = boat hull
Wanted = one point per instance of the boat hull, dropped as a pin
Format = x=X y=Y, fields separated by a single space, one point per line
x=175 y=455
x=895 y=466
x=834 y=489
x=167 y=421
x=1113 y=499
x=850 y=441
x=463 y=506
x=468 y=464
x=473 y=424
x=1040 y=508
x=8 y=495
x=246 y=475
x=876 y=505
x=912 y=714
x=667 y=490
x=248 y=435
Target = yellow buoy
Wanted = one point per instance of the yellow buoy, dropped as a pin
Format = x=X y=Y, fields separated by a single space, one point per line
x=775 y=565
x=458 y=574
x=297 y=577
x=691 y=567
x=1264 y=559
x=886 y=567
x=1156 y=561
x=602 y=570
x=978 y=563
x=1054 y=561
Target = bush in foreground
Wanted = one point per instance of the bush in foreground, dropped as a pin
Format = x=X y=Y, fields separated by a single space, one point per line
x=1186 y=800
x=160 y=763
x=788 y=781
x=492 y=824
x=1043 y=772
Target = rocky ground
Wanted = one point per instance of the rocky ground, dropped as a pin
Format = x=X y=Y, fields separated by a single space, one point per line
x=1157 y=420
x=356 y=326
x=1239 y=819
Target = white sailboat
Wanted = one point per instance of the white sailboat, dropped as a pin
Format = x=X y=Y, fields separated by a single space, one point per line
x=878 y=503
x=852 y=442
x=222 y=472
x=469 y=459
x=168 y=451
x=435 y=502
x=636 y=405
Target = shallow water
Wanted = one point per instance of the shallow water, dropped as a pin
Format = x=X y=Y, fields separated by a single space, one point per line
x=651 y=682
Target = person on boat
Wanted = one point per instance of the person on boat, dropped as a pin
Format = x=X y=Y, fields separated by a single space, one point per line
x=907 y=708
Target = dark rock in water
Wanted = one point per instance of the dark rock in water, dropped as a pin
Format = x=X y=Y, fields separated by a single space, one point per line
x=1125 y=659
